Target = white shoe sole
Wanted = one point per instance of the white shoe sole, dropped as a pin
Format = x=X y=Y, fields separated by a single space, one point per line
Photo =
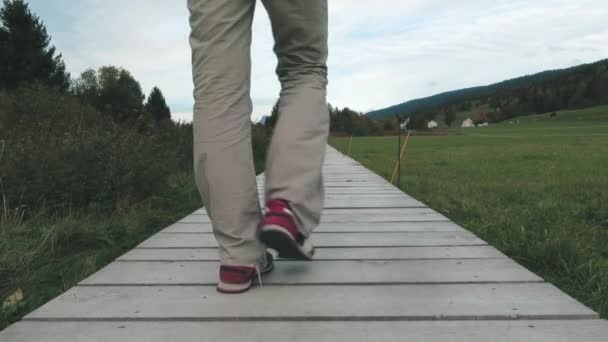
x=279 y=239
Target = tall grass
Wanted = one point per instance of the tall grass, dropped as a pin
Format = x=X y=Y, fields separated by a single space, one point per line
x=49 y=253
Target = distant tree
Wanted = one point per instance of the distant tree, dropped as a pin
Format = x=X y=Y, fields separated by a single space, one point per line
x=157 y=107
x=87 y=86
x=330 y=108
x=597 y=91
x=349 y=117
x=479 y=118
x=26 y=55
x=577 y=100
x=449 y=116
x=274 y=115
x=417 y=121
x=112 y=91
x=389 y=125
x=346 y=122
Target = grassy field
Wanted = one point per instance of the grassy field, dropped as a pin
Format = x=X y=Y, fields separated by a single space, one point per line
x=42 y=257
x=537 y=190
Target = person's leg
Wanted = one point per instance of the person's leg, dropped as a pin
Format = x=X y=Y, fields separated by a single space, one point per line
x=297 y=149
x=223 y=160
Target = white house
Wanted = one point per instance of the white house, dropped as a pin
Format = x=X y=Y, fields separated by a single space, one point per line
x=431 y=124
x=468 y=123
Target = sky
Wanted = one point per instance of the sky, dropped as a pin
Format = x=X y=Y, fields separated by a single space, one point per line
x=381 y=52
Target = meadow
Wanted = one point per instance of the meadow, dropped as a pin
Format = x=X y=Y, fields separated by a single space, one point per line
x=535 y=187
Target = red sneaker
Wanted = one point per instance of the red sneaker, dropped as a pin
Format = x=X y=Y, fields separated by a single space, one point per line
x=278 y=231
x=239 y=278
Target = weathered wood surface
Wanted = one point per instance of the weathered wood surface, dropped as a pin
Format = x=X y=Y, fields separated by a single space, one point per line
x=361 y=253
x=401 y=239
x=369 y=302
x=387 y=268
x=340 y=227
x=322 y=272
x=318 y=331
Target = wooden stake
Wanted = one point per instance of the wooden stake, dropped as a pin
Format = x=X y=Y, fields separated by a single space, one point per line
x=400 y=156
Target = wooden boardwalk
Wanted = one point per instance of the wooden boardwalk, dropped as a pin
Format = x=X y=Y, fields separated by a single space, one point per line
x=387 y=268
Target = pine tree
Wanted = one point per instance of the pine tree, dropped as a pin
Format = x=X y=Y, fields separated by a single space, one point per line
x=157 y=106
x=274 y=116
x=26 y=55
x=450 y=116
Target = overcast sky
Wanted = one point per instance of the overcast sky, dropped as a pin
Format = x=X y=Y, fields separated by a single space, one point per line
x=382 y=52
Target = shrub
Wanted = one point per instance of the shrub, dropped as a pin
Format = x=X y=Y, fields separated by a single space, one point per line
x=58 y=153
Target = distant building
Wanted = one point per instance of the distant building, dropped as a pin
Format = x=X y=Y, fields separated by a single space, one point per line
x=432 y=124
x=468 y=123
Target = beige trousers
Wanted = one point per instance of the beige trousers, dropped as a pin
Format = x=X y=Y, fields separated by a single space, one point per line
x=223 y=159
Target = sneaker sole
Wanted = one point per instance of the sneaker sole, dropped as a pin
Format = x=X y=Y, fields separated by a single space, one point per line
x=279 y=239
x=233 y=288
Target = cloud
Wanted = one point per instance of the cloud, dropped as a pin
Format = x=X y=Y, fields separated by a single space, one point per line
x=381 y=52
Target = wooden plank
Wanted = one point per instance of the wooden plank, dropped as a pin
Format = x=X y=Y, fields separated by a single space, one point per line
x=387 y=302
x=360 y=185
x=363 y=186
x=361 y=253
x=357 y=192
x=412 y=216
x=379 y=211
x=363 y=211
x=352 y=174
x=333 y=203
x=391 y=194
x=340 y=227
x=332 y=240
x=427 y=331
x=367 y=196
x=350 y=177
x=321 y=272
x=360 y=217
x=377 y=200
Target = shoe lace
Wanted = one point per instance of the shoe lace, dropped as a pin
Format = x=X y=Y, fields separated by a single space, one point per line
x=257 y=271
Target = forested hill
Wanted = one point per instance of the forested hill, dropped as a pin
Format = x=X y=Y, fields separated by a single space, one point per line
x=578 y=86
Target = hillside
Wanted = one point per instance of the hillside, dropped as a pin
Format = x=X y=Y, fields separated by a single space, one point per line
x=576 y=87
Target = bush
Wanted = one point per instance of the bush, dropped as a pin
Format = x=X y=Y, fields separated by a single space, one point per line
x=59 y=154
x=78 y=190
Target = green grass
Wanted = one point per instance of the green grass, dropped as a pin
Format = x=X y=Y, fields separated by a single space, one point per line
x=537 y=190
x=44 y=256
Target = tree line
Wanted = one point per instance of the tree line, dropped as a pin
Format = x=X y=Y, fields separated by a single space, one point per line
x=28 y=58
x=95 y=141
x=343 y=121
x=572 y=88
